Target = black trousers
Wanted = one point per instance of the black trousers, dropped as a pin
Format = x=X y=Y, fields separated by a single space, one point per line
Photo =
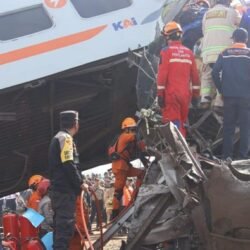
x=64 y=207
x=236 y=110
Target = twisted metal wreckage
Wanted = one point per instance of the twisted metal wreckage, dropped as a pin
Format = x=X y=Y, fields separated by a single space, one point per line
x=189 y=199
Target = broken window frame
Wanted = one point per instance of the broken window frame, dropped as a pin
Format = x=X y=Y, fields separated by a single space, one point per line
x=93 y=11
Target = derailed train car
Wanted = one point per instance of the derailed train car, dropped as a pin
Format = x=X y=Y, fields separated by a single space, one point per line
x=58 y=55
x=66 y=54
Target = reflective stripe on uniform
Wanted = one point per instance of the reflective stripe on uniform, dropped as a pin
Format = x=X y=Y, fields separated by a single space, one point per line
x=180 y=60
x=220 y=27
x=206 y=90
x=160 y=87
x=236 y=56
x=214 y=48
x=196 y=87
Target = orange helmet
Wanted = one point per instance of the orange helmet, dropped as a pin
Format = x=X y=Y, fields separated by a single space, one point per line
x=128 y=123
x=203 y=2
x=171 y=28
x=34 y=180
x=43 y=186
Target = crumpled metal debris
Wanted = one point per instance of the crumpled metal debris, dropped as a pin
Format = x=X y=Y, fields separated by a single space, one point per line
x=206 y=201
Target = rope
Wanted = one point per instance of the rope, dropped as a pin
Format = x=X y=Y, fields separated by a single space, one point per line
x=84 y=223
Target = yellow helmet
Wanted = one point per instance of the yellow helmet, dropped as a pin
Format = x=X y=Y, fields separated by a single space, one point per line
x=34 y=180
x=171 y=28
x=128 y=123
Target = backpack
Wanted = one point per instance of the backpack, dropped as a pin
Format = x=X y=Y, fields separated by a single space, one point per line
x=112 y=150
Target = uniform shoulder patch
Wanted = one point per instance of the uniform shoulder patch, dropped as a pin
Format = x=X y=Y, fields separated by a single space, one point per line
x=67 y=151
x=216 y=14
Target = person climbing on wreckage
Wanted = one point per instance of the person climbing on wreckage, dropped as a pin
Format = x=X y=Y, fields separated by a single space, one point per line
x=176 y=68
x=218 y=24
x=125 y=149
x=191 y=22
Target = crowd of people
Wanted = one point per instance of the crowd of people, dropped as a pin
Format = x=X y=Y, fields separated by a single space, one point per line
x=37 y=198
x=103 y=187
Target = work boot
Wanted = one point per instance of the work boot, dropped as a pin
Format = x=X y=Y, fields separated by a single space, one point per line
x=114 y=214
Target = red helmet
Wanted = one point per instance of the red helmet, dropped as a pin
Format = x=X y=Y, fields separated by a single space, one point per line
x=43 y=186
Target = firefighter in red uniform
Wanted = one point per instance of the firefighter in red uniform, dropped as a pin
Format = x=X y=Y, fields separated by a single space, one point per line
x=177 y=69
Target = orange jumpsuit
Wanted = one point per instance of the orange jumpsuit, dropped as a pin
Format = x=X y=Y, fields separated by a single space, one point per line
x=127 y=196
x=34 y=200
x=122 y=168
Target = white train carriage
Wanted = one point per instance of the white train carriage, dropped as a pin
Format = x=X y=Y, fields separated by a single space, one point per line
x=39 y=38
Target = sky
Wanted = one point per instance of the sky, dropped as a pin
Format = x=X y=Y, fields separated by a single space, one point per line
x=103 y=168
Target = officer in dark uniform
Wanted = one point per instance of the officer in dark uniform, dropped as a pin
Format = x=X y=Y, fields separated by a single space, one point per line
x=232 y=79
x=65 y=179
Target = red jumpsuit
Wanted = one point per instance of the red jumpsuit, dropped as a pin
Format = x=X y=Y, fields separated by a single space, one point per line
x=177 y=69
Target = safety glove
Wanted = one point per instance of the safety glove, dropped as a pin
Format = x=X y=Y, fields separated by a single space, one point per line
x=195 y=102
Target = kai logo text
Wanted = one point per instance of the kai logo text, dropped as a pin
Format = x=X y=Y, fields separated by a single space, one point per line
x=125 y=24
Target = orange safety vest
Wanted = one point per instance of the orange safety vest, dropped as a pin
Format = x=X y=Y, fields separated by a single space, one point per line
x=34 y=200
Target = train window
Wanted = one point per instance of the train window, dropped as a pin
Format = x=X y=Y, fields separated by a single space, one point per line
x=91 y=8
x=24 y=22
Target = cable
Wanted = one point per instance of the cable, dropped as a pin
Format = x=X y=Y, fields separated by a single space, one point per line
x=26 y=158
x=84 y=223
x=81 y=235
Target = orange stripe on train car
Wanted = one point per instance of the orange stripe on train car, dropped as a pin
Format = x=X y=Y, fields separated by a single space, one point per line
x=44 y=47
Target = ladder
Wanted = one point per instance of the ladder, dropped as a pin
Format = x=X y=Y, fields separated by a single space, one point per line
x=115 y=227
x=118 y=223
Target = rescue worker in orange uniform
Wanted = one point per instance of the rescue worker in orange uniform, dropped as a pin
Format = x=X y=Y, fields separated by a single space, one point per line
x=127 y=146
x=177 y=69
x=35 y=198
